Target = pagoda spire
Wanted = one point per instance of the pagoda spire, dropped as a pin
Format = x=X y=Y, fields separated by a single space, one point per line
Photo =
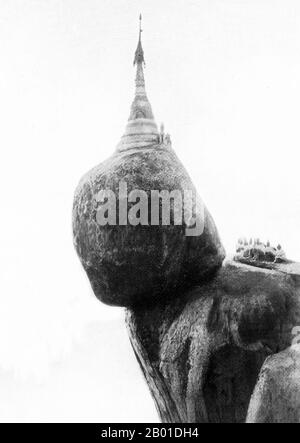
x=139 y=53
x=141 y=129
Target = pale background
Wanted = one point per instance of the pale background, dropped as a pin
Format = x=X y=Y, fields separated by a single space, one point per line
x=224 y=77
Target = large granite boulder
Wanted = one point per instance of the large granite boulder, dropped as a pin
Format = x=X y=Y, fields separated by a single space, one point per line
x=276 y=398
x=129 y=265
x=202 y=353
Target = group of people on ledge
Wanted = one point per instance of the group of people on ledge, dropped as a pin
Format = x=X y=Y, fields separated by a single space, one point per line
x=255 y=250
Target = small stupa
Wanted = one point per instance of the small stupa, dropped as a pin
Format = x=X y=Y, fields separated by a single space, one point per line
x=141 y=129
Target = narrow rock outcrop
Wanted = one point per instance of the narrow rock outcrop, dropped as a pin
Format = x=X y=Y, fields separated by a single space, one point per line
x=201 y=354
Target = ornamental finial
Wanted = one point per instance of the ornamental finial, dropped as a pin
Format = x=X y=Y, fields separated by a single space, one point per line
x=139 y=53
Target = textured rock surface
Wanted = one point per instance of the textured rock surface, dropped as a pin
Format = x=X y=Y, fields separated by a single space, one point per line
x=276 y=398
x=130 y=264
x=202 y=353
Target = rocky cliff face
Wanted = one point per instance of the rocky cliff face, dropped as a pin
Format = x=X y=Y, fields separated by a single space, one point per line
x=276 y=398
x=202 y=353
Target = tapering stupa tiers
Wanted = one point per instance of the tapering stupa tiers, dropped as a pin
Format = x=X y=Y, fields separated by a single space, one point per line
x=141 y=129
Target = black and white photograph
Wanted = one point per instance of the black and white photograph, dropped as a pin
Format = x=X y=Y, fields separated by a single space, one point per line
x=150 y=214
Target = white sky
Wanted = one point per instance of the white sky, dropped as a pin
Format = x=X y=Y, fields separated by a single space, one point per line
x=224 y=78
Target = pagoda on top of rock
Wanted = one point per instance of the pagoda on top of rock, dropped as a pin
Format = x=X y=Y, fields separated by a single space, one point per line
x=147 y=256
